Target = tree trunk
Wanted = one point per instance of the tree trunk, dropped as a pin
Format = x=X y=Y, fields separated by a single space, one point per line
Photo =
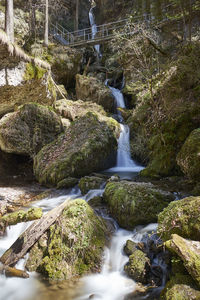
x=12 y=272
x=46 y=33
x=9 y=21
x=30 y=236
x=77 y=15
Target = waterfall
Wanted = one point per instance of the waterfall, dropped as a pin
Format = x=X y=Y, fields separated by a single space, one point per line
x=94 y=30
x=124 y=160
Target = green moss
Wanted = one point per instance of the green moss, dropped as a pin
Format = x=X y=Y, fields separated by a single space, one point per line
x=181 y=217
x=33 y=72
x=75 y=243
x=135 y=203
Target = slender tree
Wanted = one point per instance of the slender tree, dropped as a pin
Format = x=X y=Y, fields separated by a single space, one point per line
x=77 y=15
x=9 y=20
x=46 y=31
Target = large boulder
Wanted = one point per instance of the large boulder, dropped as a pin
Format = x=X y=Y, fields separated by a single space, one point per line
x=72 y=246
x=181 y=217
x=189 y=252
x=138 y=266
x=73 y=109
x=91 y=89
x=189 y=156
x=89 y=145
x=27 y=130
x=133 y=203
x=180 y=287
x=22 y=78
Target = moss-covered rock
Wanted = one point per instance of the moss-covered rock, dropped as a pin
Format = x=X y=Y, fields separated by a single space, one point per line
x=67 y=183
x=91 y=89
x=189 y=252
x=130 y=247
x=72 y=246
x=20 y=216
x=88 y=145
x=27 y=130
x=181 y=217
x=133 y=203
x=90 y=183
x=74 y=109
x=189 y=156
x=180 y=287
x=137 y=267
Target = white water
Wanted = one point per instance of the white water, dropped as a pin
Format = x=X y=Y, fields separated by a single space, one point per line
x=94 y=30
x=124 y=160
x=112 y=283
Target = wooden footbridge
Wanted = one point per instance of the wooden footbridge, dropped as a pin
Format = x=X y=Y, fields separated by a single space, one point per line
x=86 y=36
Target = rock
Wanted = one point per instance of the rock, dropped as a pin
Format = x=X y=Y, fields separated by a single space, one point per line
x=189 y=252
x=73 y=109
x=180 y=217
x=27 y=130
x=21 y=81
x=130 y=247
x=180 y=287
x=93 y=90
x=90 y=183
x=20 y=216
x=67 y=183
x=89 y=145
x=138 y=266
x=66 y=63
x=133 y=203
x=72 y=246
x=189 y=156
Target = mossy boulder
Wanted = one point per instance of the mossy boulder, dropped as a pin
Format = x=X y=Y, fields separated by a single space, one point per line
x=20 y=216
x=88 y=145
x=90 y=183
x=189 y=156
x=130 y=247
x=93 y=90
x=181 y=217
x=72 y=246
x=133 y=203
x=180 y=287
x=27 y=130
x=138 y=266
x=189 y=252
x=74 y=109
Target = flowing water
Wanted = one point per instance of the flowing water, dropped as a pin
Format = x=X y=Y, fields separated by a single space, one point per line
x=125 y=167
x=94 y=30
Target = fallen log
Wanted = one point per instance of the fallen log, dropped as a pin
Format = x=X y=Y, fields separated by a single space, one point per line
x=12 y=272
x=31 y=235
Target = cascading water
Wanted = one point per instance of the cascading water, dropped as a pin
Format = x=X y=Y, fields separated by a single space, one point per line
x=125 y=164
x=94 y=30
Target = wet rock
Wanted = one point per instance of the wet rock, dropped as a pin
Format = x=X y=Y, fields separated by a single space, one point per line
x=74 y=109
x=138 y=266
x=89 y=145
x=75 y=244
x=188 y=158
x=180 y=287
x=133 y=203
x=67 y=183
x=27 y=130
x=180 y=217
x=130 y=247
x=90 y=183
x=189 y=252
x=91 y=89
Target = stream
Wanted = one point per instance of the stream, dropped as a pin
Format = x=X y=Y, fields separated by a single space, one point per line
x=111 y=283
